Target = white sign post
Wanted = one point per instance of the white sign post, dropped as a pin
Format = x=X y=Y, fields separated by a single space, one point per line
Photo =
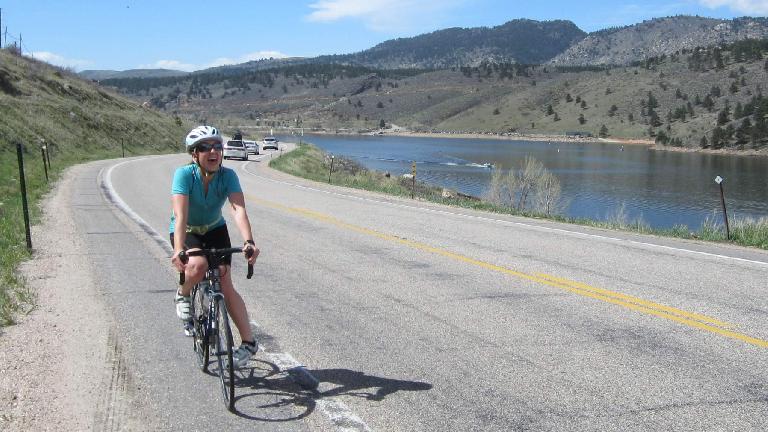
x=719 y=180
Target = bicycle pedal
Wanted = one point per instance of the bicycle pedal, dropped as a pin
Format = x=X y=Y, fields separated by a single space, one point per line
x=189 y=328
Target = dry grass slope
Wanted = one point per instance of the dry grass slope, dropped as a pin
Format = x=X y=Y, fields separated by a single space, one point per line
x=78 y=121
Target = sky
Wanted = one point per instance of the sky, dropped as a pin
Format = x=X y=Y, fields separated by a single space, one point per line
x=195 y=34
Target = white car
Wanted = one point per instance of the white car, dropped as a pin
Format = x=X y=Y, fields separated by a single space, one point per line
x=235 y=149
x=251 y=147
x=269 y=142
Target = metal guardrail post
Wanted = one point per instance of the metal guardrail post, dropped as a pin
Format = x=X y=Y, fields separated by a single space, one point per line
x=24 y=205
x=45 y=165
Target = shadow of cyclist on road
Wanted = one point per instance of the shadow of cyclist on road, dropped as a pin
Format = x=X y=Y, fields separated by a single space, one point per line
x=352 y=383
x=266 y=393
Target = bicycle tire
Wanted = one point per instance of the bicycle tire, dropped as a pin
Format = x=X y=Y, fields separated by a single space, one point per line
x=202 y=329
x=223 y=352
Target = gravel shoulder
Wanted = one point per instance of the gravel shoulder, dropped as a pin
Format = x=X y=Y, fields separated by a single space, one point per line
x=55 y=362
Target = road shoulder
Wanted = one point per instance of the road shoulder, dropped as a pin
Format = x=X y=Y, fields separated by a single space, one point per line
x=58 y=361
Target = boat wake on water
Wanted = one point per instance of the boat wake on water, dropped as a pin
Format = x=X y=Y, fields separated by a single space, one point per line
x=455 y=163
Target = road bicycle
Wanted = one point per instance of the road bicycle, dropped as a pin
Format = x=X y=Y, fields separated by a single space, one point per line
x=210 y=320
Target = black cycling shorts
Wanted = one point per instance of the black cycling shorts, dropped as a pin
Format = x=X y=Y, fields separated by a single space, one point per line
x=217 y=238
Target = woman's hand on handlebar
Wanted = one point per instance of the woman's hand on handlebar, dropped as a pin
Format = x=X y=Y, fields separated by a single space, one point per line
x=177 y=262
x=251 y=252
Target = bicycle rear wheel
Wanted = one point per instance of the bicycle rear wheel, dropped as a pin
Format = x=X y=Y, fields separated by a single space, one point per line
x=200 y=319
x=223 y=351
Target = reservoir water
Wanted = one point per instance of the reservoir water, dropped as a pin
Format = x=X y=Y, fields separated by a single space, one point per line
x=662 y=188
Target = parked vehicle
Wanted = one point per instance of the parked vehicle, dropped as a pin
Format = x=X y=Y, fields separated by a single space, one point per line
x=269 y=142
x=251 y=147
x=235 y=149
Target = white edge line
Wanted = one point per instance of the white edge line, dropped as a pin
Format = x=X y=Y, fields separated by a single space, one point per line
x=506 y=222
x=116 y=200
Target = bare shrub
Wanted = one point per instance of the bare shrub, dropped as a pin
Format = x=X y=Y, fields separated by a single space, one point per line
x=548 y=194
x=527 y=178
x=531 y=188
x=502 y=187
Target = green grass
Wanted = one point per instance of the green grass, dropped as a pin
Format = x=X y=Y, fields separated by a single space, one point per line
x=79 y=122
x=310 y=162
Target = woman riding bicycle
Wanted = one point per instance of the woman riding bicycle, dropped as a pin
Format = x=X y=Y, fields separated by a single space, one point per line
x=198 y=194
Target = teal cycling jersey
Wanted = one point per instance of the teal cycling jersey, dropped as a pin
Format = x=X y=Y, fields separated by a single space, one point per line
x=204 y=212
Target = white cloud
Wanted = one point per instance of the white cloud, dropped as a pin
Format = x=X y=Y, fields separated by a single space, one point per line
x=259 y=55
x=62 y=61
x=381 y=15
x=221 y=61
x=333 y=10
x=750 y=7
x=170 y=64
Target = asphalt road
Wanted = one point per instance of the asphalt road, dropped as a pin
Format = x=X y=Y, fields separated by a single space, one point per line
x=419 y=317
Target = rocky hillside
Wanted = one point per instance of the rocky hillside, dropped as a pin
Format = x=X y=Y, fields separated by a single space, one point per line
x=518 y=41
x=657 y=37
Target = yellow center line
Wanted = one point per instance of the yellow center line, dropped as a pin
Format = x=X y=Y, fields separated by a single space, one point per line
x=636 y=300
x=690 y=319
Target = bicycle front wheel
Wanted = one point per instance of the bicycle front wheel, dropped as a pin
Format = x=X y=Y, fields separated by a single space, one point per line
x=201 y=326
x=223 y=350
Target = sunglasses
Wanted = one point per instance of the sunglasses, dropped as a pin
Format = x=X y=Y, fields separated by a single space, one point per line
x=206 y=147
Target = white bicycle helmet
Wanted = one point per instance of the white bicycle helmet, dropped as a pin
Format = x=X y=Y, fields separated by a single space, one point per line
x=201 y=133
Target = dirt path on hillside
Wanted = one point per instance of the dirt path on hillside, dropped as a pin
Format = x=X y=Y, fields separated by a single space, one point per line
x=54 y=364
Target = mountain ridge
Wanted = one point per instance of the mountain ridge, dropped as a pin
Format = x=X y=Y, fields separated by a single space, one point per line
x=524 y=41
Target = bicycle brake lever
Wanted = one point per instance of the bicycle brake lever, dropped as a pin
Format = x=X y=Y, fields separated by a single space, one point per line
x=184 y=259
x=248 y=254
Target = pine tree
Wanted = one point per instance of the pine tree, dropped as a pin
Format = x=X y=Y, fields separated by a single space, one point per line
x=603 y=132
x=653 y=118
x=708 y=103
x=722 y=117
x=744 y=132
x=653 y=103
x=662 y=138
x=718 y=137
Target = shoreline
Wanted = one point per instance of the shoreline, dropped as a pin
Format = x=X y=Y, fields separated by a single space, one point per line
x=651 y=144
x=560 y=138
x=479 y=135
